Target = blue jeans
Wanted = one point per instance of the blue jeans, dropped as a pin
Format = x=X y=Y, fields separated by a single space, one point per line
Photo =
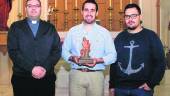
x=132 y=92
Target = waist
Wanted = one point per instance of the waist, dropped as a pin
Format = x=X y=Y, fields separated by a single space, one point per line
x=87 y=70
x=129 y=84
x=96 y=67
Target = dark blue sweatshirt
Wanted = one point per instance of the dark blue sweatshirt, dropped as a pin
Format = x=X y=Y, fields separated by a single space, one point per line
x=140 y=59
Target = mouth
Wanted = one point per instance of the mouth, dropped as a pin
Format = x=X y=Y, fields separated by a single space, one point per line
x=33 y=11
x=89 y=17
x=131 y=22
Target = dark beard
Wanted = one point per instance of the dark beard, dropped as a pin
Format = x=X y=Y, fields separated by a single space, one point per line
x=89 y=22
x=131 y=28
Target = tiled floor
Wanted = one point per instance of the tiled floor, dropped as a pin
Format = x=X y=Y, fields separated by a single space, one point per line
x=162 y=90
x=62 y=81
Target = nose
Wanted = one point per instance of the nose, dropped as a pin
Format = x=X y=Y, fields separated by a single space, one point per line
x=89 y=12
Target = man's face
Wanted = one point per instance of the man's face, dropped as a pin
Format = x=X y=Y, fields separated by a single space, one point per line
x=132 y=18
x=33 y=9
x=89 y=13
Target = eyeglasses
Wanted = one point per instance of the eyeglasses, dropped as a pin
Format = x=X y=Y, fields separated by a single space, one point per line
x=89 y=10
x=33 y=6
x=132 y=16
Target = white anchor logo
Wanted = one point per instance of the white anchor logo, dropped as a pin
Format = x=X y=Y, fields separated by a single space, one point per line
x=129 y=69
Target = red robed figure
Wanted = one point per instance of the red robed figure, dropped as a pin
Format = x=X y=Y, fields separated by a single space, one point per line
x=5 y=8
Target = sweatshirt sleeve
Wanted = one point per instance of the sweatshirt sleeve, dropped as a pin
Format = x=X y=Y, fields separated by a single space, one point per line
x=112 y=75
x=158 y=61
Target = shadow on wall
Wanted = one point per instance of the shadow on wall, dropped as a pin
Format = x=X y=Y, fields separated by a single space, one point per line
x=168 y=59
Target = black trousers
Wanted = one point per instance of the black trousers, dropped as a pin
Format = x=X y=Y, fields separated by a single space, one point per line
x=28 y=86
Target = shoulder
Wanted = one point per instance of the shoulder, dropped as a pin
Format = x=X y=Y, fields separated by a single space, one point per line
x=122 y=34
x=152 y=37
x=102 y=30
x=46 y=23
x=19 y=22
x=76 y=27
x=150 y=33
x=74 y=30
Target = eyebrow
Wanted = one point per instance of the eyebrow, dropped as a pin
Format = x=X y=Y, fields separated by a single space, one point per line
x=131 y=14
x=89 y=9
x=33 y=4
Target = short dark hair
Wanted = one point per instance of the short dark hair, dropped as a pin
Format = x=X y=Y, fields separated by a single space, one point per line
x=90 y=1
x=37 y=0
x=133 y=5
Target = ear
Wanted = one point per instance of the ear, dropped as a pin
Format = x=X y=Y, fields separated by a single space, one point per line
x=140 y=17
x=25 y=10
x=81 y=12
x=97 y=13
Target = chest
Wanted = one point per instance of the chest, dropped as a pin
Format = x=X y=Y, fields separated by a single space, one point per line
x=137 y=45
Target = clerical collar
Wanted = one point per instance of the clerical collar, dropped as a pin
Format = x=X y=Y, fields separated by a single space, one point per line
x=33 y=21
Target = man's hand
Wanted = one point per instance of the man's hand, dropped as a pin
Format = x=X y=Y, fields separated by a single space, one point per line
x=38 y=72
x=95 y=61
x=145 y=87
x=74 y=59
x=91 y=64
x=112 y=92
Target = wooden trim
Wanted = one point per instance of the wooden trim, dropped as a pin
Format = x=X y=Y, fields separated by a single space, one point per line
x=158 y=16
x=3 y=42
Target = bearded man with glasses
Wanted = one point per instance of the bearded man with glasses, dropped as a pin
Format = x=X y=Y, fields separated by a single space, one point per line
x=140 y=64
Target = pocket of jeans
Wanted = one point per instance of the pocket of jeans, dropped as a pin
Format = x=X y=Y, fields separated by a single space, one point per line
x=147 y=91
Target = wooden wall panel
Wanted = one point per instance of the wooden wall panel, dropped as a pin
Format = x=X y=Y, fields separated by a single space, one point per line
x=65 y=19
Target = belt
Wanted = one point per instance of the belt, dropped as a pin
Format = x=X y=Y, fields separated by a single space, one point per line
x=87 y=70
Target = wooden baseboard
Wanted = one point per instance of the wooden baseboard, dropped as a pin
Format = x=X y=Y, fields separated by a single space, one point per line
x=3 y=41
x=167 y=77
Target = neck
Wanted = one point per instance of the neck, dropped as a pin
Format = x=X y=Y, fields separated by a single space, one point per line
x=88 y=27
x=33 y=19
x=137 y=30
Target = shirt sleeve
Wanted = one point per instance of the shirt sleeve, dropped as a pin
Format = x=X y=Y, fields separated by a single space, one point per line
x=112 y=76
x=66 y=47
x=110 y=51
